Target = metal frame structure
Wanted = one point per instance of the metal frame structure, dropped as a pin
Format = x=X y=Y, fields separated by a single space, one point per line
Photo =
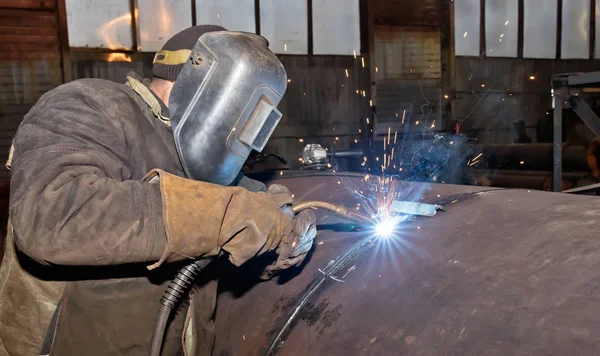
x=566 y=90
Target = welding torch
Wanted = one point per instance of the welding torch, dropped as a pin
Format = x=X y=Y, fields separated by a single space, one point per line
x=183 y=280
x=338 y=210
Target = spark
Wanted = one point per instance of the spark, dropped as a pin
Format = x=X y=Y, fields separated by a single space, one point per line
x=400 y=170
x=355 y=141
x=354 y=52
x=363 y=61
x=377 y=159
x=359 y=130
x=501 y=35
x=366 y=179
x=454 y=201
x=370 y=102
x=403 y=115
x=483 y=85
x=300 y=159
x=396 y=114
x=376 y=69
x=433 y=124
x=465 y=34
x=522 y=162
x=474 y=162
x=367 y=120
x=280 y=173
x=451 y=142
x=357 y=91
x=285 y=47
x=219 y=15
x=347 y=74
x=364 y=93
x=289 y=80
x=320 y=243
x=395 y=136
x=476 y=157
x=506 y=23
x=292 y=196
x=446 y=96
x=389 y=132
x=339 y=182
x=392 y=155
x=416 y=123
x=384 y=143
x=384 y=159
x=438 y=195
x=337 y=138
x=531 y=77
x=328 y=165
x=301 y=140
x=365 y=158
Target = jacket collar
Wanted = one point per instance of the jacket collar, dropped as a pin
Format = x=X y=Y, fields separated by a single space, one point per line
x=140 y=86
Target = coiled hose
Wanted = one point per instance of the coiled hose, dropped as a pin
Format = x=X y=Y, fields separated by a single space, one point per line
x=184 y=279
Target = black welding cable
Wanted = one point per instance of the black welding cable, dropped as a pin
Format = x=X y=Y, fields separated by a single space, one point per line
x=159 y=330
x=175 y=290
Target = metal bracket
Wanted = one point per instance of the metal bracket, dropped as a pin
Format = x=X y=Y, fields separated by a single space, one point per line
x=566 y=89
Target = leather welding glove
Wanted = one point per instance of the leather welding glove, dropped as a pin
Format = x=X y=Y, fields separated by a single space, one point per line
x=202 y=219
x=293 y=248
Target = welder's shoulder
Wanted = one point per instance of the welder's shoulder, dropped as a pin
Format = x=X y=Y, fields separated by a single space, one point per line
x=85 y=96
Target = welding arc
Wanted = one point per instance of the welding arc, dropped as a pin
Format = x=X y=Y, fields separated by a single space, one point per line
x=338 y=210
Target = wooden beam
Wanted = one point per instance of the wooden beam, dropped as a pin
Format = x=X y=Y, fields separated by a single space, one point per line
x=309 y=18
x=482 y=50
x=521 y=20
x=559 y=28
x=135 y=34
x=592 y=28
x=257 y=15
x=63 y=36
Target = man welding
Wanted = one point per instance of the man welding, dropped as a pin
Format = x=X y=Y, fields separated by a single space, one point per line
x=115 y=187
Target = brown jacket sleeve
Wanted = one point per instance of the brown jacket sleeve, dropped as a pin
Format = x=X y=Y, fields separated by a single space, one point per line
x=72 y=202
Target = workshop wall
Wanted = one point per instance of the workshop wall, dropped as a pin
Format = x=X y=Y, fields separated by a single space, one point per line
x=492 y=93
x=30 y=62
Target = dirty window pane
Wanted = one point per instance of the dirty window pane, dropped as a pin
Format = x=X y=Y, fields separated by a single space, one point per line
x=159 y=20
x=575 y=29
x=539 y=28
x=284 y=24
x=99 y=23
x=235 y=15
x=501 y=28
x=466 y=27
x=336 y=27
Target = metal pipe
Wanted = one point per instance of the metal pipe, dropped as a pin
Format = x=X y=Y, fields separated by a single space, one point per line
x=338 y=210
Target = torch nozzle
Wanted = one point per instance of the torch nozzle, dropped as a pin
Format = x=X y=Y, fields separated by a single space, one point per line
x=338 y=210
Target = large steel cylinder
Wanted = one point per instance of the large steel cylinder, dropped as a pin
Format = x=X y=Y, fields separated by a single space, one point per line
x=499 y=272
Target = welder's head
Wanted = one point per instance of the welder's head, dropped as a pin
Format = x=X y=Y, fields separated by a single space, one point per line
x=223 y=103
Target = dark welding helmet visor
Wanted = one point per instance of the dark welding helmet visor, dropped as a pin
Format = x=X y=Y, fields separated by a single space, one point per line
x=224 y=103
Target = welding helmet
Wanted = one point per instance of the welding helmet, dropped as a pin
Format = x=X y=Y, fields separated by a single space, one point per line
x=224 y=102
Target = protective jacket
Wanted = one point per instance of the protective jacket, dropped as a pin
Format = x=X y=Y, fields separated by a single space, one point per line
x=84 y=227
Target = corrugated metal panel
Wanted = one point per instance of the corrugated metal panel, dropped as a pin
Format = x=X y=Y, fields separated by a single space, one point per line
x=406 y=12
x=321 y=99
x=403 y=52
x=408 y=78
x=23 y=82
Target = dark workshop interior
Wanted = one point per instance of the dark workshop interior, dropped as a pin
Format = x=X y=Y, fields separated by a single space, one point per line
x=493 y=104
x=465 y=86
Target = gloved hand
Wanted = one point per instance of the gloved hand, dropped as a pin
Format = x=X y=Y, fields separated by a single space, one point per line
x=202 y=219
x=293 y=249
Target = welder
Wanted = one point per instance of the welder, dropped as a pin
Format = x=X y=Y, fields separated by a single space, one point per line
x=115 y=187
